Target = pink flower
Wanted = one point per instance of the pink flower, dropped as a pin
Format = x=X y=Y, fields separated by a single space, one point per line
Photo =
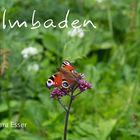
x=57 y=92
x=83 y=85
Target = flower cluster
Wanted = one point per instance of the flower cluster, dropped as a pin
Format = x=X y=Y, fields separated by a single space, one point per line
x=76 y=32
x=33 y=67
x=30 y=51
x=99 y=1
x=81 y=85
x=58 y=92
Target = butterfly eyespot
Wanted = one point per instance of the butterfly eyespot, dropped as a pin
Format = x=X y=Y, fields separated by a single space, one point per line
x=49 y=83
x=66 y=63
x=65 y=84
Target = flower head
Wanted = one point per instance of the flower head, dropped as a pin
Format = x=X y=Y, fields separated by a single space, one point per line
x=33 y=67
x=99 y=1
x=76 y=32
x=58 y=92
x=83 y=85
x=30 y=51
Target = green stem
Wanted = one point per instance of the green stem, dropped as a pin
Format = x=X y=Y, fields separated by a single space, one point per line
x=110 y=21
x=19 y=67
x=78 y=93
x=62 y=104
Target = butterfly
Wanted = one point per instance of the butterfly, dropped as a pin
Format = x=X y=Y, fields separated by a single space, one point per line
x=66 y=77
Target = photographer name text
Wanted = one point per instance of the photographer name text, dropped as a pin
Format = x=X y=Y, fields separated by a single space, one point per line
x=13 y=125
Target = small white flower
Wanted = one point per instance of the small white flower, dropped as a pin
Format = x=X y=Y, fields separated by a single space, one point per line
x=81 y=34
x=76 y=32
x=33 y=67
x=30 y=51
x=99 y=1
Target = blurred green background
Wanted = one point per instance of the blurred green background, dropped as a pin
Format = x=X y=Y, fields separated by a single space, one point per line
x=109 y=56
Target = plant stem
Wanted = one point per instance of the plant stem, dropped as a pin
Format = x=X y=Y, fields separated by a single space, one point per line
x=67 y=118
x=78 y=93
x=62 y=104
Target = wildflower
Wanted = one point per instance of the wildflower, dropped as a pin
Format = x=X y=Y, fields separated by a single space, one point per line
x=58 y=92
x=100 y=1
x=30 y=51
x=83 y=85
x=76 y=32
x=33 y=67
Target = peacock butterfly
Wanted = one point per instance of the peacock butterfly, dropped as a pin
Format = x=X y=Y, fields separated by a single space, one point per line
x=66 y=77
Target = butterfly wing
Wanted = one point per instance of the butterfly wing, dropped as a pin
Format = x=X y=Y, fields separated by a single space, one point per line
x=69 y=80
x=55 y=80
x=67 y=65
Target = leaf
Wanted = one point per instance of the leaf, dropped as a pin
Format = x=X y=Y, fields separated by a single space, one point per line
x=52 y=44
x=76 y=49
x=35 y=112
x=4 y=106
x=22 y=135
x=105 y=128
